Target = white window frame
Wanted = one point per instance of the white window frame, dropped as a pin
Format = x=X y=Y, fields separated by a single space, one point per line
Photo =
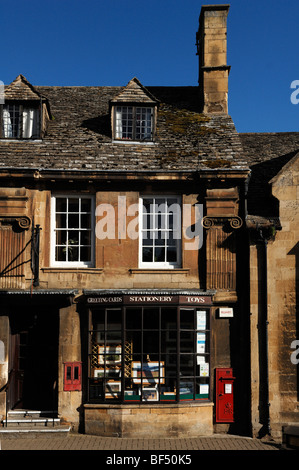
x=84 y=264
x=176 y=230
x=121 y=115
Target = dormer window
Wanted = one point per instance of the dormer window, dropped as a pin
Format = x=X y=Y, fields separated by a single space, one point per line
x=20 y=121
x=134 y=114
x=24 y=113
x=134 y=123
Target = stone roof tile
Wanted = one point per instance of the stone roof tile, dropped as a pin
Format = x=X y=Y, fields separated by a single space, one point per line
x=79 y=135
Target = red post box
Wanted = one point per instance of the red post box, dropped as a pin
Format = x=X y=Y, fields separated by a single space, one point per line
x=224 y=396
x=72 y=376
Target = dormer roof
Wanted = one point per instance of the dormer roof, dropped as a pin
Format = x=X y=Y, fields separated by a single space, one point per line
x=134 y=92
x=21 y=89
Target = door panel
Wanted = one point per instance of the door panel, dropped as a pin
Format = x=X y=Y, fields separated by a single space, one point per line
x=34 y=359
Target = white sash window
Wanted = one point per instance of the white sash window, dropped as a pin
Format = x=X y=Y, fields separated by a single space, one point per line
x=160 y=232
x=72 y=231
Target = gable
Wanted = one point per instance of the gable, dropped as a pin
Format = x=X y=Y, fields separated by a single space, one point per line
x=134 y=92
x=20 y=89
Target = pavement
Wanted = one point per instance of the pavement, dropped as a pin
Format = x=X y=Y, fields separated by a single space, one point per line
x=83 y=442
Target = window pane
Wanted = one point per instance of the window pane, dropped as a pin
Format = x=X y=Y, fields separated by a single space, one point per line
x=61 y=220
x=73 y=237
x=85 y=205
x=147 y=254
x=85 y=253
x=11 y=121
x=133 y=318
x=73 y=205
x=61 y=237
x=151 y=318
x=30 y=123
x=171 y=254
x=85 y=237
x=60 y=253
x=61 y=204
x=159 y=254
x=85 y=221
x=72 y=253
x=73 y=220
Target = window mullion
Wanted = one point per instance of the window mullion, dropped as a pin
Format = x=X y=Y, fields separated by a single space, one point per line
x=194 y=357
x=134 y=123
x=1 y=121
x=141 y=359
x=178 y=357
x=123 y=339
x=20 y=123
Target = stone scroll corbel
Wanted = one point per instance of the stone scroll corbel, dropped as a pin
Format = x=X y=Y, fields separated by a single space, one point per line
x=235 y=222
x=22 y=222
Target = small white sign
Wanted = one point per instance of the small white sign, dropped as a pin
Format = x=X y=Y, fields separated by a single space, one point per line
x=226 y=312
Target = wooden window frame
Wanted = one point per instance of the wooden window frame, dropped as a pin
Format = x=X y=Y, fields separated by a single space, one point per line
x=21 y=105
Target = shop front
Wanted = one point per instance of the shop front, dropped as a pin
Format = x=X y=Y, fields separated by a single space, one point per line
x=149 y=364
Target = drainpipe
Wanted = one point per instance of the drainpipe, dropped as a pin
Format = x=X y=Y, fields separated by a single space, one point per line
x=264 y=244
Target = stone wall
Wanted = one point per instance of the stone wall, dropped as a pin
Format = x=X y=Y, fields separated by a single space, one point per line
x=282 y=286
x=149 y=421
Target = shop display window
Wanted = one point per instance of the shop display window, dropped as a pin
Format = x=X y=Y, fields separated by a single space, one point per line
x=149 y=354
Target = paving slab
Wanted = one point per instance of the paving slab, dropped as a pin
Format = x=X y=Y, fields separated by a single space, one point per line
x=83 y=442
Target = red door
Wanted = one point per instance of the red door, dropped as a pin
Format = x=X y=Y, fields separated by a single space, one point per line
x=224 y=396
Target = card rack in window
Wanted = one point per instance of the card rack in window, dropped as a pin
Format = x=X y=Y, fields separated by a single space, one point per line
x=20 y=122
x=73 y=230
x=134 y=123
x=160 y=232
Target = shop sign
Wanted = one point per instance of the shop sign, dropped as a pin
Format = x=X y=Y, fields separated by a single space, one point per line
x=151 y=299
x=194 y=299
x=226 y=312
x=104 y=300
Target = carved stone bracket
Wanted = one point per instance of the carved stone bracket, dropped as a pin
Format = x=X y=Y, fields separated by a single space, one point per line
x=235 y=222
x=22 y=221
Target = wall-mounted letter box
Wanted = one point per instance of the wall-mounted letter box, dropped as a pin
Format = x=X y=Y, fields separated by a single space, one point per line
x=224 y=396
x=72 y=376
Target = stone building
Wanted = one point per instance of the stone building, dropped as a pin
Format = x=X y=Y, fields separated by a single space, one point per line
x=139 y=235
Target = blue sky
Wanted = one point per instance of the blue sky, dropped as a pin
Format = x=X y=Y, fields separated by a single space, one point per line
x=108 y=42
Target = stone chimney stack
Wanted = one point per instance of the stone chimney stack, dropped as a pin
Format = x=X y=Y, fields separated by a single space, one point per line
x=211 y=44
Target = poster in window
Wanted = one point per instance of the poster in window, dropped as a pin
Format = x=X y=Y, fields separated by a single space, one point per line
x=204 y=389
x=204 y=369
x=200 y=320
x=201 y=343
x=110 y=354
x=150 y=372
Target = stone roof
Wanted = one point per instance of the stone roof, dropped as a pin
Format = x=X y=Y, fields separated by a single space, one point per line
x=79 y=134
x=21 y=89
x=266 y=154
